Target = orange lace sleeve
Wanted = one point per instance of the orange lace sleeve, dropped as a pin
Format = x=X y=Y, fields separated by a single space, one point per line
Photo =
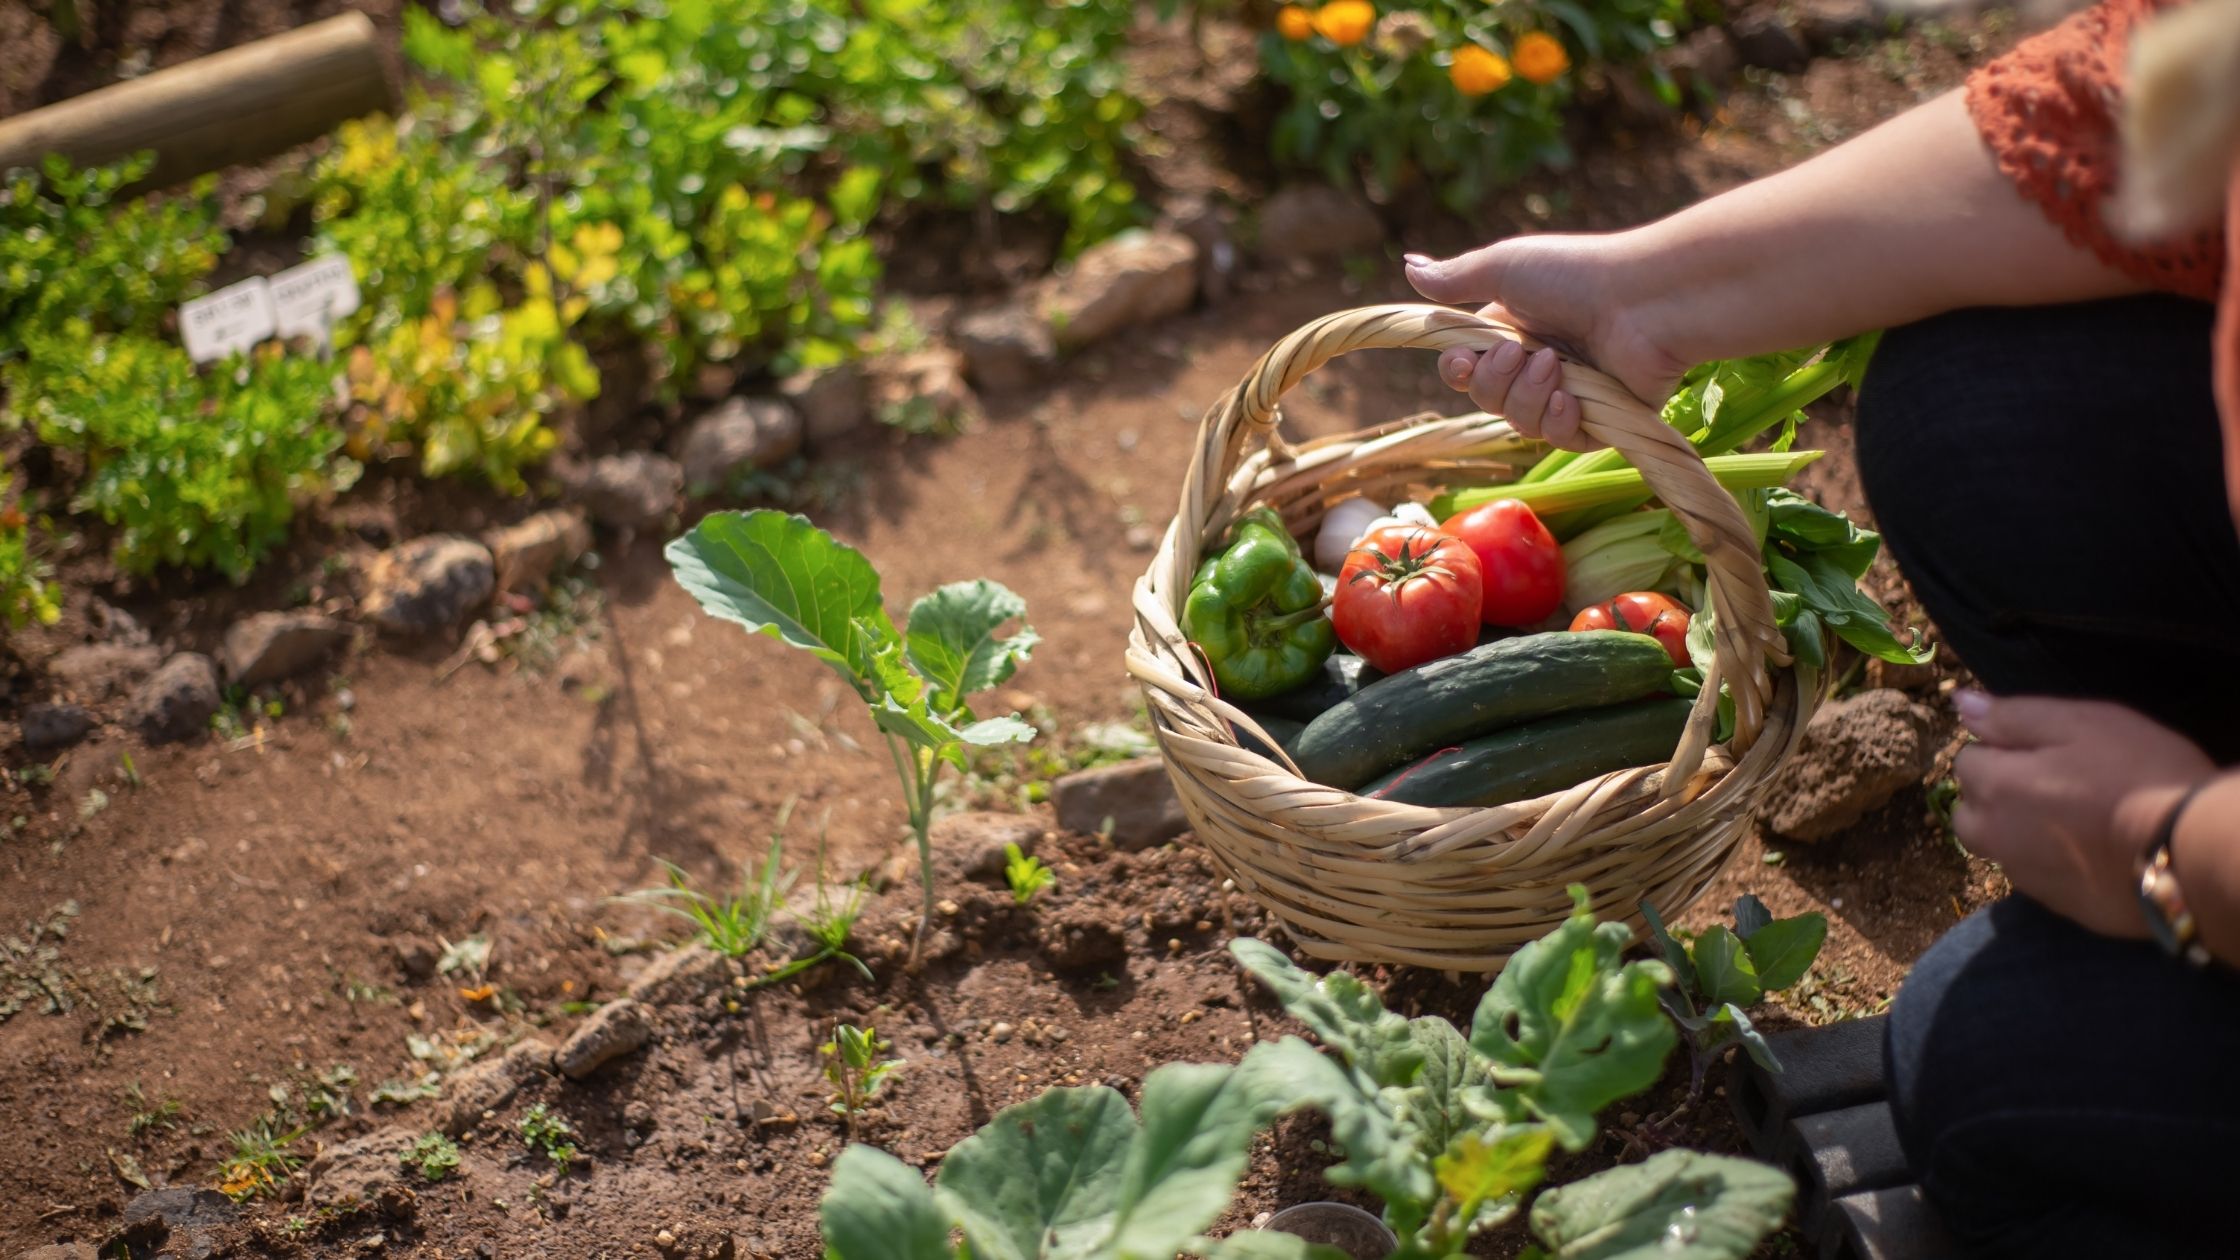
x=2047 y=108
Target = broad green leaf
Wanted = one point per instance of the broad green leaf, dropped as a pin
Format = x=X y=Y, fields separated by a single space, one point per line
x=1341 y=1010
x=1431 y=1107
x=778 y=574
x=1570 y=1028
x=919 y=728
x=1198 y=1122
x=1487 y=1179
x=1834 y=595
x=1783 y=950
x=1676 y=1205
x=879 y=1208
x=1734 y=1026
x=953 y=642
x=988 y=732
x=1379 y=1155
x=1807 y=526
x=1264 y=1244
x=1042 y=1179
x=1750 y=914
x=1724 y=971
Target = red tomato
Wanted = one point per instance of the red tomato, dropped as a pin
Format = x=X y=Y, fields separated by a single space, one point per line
x=1521 y=561
x=1407 y=595
x=1643 y=612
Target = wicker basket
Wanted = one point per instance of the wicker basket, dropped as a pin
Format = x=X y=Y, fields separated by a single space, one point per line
x=1361 y=880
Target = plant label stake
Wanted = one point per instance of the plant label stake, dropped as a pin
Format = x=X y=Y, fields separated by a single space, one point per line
x=227 y=322
x=308 y=298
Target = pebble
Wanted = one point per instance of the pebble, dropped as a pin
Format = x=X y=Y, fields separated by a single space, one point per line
x=1000 y=1033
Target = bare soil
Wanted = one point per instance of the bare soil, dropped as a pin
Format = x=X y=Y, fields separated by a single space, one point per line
x=243 y=916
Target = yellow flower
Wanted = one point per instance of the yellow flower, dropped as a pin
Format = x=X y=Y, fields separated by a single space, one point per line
x=1541 y=58
x=1294 y=23
x=1345 y=22
x=1478 y=70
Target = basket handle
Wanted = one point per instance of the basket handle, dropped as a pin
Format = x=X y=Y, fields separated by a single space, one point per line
x=1747 y=636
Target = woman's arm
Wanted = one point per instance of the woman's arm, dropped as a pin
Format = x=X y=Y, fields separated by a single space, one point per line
x=1909 y=220
x=2205 y=856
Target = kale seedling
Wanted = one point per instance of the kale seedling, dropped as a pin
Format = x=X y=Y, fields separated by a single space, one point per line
x=1721 y=973
x=1026 y=875
x=435 y=1155
x=855 y=1064
x=549 y=1134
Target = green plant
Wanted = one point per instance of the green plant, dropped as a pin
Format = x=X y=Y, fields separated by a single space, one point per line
x=1026 y=875
x=780 y=575
x=261 y=1162
x=732 y=926
x=148 y=1114
x=855 y=1063
x=1452 y=1132
x=433 y=1155
x=548 y=1133
x=199 y=469
x=1721 y=974
x=25 y=572
x=75 y=246
x=1457 y=95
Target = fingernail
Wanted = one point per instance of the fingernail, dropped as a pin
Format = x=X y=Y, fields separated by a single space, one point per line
x=1416 y=260
x=1558 y=403
x=1971 y=705
x=1506 y=356
x=1458 y=370
x=1543 y=366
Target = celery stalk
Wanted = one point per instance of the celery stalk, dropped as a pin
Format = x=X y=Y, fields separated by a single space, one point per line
x=1623 y=485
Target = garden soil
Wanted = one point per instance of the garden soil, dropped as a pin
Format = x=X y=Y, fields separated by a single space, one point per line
x=229 y=921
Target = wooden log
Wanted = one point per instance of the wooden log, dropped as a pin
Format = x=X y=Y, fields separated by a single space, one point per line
x=241 y=105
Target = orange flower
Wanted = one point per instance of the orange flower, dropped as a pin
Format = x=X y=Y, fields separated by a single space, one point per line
x=1478 y=70
x=1294 y=22
x=1541 y=58
x=1345 y=22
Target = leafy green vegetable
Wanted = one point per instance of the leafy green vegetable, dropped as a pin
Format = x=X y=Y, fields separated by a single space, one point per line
x=1675 y=1205
x=1724 y=972
x=780 y=575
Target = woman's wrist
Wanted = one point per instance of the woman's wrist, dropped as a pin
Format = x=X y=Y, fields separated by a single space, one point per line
x=2202 y=859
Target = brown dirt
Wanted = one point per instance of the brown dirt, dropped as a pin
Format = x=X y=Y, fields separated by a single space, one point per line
x=261 y=906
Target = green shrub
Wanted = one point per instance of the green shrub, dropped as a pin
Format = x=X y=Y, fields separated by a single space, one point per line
x=72 y=248
x=25 y=596
x=1463 y=95
x=193 y=469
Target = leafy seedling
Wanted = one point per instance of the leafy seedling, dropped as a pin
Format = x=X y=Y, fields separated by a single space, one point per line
x=1722 y=974
x=778 y=574
x=148 y=1114
x=855 y=1063
x=433 y=1155
x=732 y=925
x=1026 y=875
x=548 y=1133
x=260 y=1163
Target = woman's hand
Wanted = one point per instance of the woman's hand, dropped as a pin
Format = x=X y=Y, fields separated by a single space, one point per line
x=2065 y=795
x=1566 y=292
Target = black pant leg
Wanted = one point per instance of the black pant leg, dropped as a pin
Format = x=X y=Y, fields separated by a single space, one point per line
x=2050 y=480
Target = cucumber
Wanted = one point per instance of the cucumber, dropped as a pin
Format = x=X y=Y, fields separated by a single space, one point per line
x=1521 y=762
x=1341 y=676
x=1283 y=729
x=1399 y=718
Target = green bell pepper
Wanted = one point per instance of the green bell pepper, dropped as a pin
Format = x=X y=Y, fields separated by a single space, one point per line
x=1256 y=612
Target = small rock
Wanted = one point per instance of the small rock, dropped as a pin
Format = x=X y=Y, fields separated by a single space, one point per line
x=1000 y=1032
x=428 y=584
x=52 y=727
x=180 y=1207
x=1856 y=754
x=834 y=402
x=358 y=1172
x=930 y=381
x=1316 y=220
x=1136 y=795
x=176 y=701
x=1765 y=39
x=628 y=491
x=973 y=843
x=490 y=1084
x=267 y=647
x=616 y=1029
x=734 y=435
x=63 y=1251
x=94 y=672
x=681 y=977
x=1005 y=347
x=526 y=554
x=1136 y=277
x=1077 y=937
x=416 y=957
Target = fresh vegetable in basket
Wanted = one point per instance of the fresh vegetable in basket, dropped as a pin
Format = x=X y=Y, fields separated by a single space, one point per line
x=1398 y=719
x=1255 y=610
x=1520 y=563
x=1549 y=755
x=1643 y=612
x=1408 y=595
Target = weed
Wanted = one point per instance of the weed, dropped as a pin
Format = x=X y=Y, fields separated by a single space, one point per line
x=549 y=1134
x=399 y=1092
x=434 y=1155
x=855 y=1064
x=1026 y=875
x=148 y=1114
x=732 y=926
x=130 y=771
x=467 y=960
x=260 y=1163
